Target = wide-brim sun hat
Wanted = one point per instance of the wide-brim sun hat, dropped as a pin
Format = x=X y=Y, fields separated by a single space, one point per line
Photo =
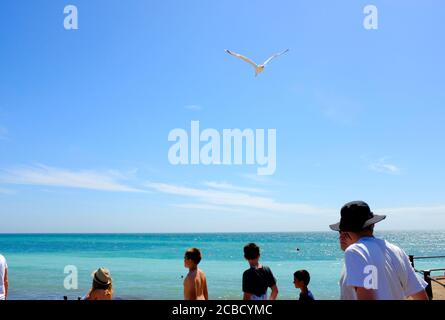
x=356 y=216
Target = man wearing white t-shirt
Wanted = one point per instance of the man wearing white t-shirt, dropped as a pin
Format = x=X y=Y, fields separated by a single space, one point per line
x=374 y=269
x=3 y=278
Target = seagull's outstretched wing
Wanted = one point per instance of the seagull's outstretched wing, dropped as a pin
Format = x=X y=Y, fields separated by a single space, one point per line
x=242 y=58
x=274 y=56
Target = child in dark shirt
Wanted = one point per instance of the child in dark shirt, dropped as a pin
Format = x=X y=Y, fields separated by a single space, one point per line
x=258 y=278
x=301 y=281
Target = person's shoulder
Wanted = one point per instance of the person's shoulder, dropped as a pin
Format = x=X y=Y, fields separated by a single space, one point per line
x=399 y=252
x=357 y=252
x=190 y=277
x=363 y=245
x=247 y=272
x=310 y=295
x=266 y=268
x=96 y=294
x=101 y=294
x=391 y=246
x=201 y=273
x=354 y=248
x=267 y=272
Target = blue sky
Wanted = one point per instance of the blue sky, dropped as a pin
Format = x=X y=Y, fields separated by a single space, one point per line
x=85 y=114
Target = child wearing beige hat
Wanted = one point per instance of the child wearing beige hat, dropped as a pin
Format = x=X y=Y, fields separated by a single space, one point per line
x=102 y=288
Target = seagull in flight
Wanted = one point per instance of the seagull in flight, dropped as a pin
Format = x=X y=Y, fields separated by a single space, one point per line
x=258 y=67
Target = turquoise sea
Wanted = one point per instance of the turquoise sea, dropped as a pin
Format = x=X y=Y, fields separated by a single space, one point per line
x=150 y=266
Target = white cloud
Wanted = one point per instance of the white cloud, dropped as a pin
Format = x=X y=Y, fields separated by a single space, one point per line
x=256 y=178
x=422 y=211
x=206 y=207
x=315 y=217
x=231 y=187
x=7 y=191
x=413 y=217
x=48 y=176
x=236 y=199
x=193 y=107
x=383 y=167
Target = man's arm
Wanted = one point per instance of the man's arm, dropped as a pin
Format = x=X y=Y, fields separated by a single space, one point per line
x=6 y=283
x=247 y=296
x=421 y=295
x=365 y=294
x=274 y=293
x=356 y=277
x=413 y=285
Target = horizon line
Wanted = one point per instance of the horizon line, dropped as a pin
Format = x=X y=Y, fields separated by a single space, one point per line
x=205 y=232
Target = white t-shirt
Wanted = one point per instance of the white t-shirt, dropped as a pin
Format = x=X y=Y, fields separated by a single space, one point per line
x=377 y=264
x=3 y=267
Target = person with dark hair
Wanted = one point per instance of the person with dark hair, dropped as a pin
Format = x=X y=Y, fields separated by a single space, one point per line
x=258 y=278
x=374 y=268
x=301 y=281
x=195 y=283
